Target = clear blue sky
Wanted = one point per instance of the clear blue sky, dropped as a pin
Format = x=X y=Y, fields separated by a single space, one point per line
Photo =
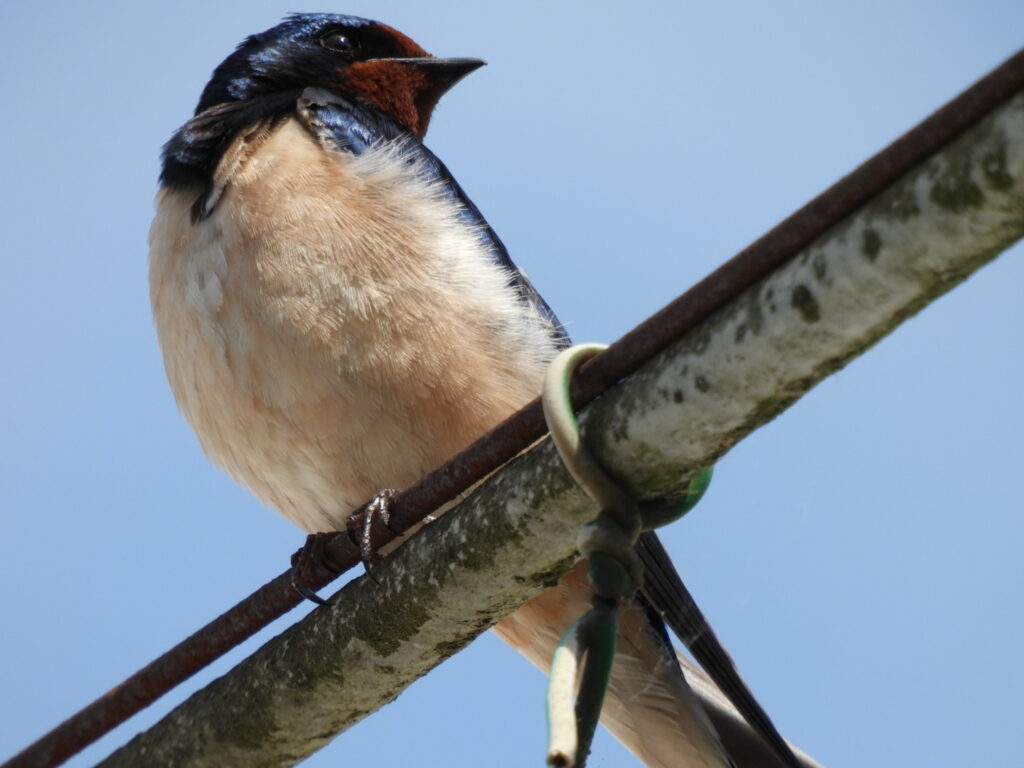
x=860 y=556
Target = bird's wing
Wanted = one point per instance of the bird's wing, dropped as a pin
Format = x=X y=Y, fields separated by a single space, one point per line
x=664 y=590
x=349 y=127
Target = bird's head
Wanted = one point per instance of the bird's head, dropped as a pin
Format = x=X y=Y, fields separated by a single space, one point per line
x=363 y=59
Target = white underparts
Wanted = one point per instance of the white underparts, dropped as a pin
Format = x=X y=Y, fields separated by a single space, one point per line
x=333 y=327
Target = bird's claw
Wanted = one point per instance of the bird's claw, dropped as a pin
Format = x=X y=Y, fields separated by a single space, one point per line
x=361 y=528
x=308 y=593
x=307 y=561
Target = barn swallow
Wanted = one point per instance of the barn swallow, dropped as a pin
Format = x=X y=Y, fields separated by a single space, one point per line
x=336 y=318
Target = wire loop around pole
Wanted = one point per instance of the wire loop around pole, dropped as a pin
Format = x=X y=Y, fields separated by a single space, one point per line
x=587 y=649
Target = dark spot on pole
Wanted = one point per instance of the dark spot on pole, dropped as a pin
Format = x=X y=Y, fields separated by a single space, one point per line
x=677 y=396
x=741 y=332
x=804 y=302
x=701 y=383
x=956 y=191
x=755 y=314
x=701 y=338
x=993 y=165
x=902 y=205
x=872 y=244
x=819 y=268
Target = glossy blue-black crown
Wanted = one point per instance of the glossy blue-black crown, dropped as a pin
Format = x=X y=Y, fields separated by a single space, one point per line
x=286 y=56
x=261 y=80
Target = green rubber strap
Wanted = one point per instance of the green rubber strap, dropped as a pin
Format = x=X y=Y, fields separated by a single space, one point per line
x=565 y=434
x=585 y=652
x=600 y=640
x=562 y=728
x=587 y=649
x=659 y=512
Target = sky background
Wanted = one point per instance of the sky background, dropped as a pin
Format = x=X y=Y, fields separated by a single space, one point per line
x=860 y=556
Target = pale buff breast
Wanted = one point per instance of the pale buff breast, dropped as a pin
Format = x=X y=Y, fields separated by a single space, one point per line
x=332 y=328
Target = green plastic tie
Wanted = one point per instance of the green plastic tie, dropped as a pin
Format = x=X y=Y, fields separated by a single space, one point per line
x=585 y=653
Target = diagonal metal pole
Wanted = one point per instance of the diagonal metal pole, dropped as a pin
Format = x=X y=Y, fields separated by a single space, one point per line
x=734 y=371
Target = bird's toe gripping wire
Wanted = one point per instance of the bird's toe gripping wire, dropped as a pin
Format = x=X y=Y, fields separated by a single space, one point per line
x=360 y=526
x=307 y=561
x=585 y=653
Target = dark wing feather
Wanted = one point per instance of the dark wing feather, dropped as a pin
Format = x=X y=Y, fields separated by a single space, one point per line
x=667 y=594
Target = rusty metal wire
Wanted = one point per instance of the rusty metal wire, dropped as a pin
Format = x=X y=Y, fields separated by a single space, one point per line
x=525 y=427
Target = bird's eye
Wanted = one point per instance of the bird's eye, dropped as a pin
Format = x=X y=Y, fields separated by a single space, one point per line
x=338 y=41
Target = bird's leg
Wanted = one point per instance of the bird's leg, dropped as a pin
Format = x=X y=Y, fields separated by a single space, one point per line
x=307 y=561
x=360 y=527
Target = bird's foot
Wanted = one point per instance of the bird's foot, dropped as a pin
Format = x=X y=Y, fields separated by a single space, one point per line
x=307 y=562
x=361 y=528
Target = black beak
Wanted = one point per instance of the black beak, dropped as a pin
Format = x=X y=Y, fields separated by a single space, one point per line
x=443 y=73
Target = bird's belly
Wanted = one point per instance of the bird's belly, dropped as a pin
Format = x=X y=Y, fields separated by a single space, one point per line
x=318 y=369
x=313 y=433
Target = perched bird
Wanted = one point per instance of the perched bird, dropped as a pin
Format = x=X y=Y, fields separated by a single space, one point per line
x=337 y=318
